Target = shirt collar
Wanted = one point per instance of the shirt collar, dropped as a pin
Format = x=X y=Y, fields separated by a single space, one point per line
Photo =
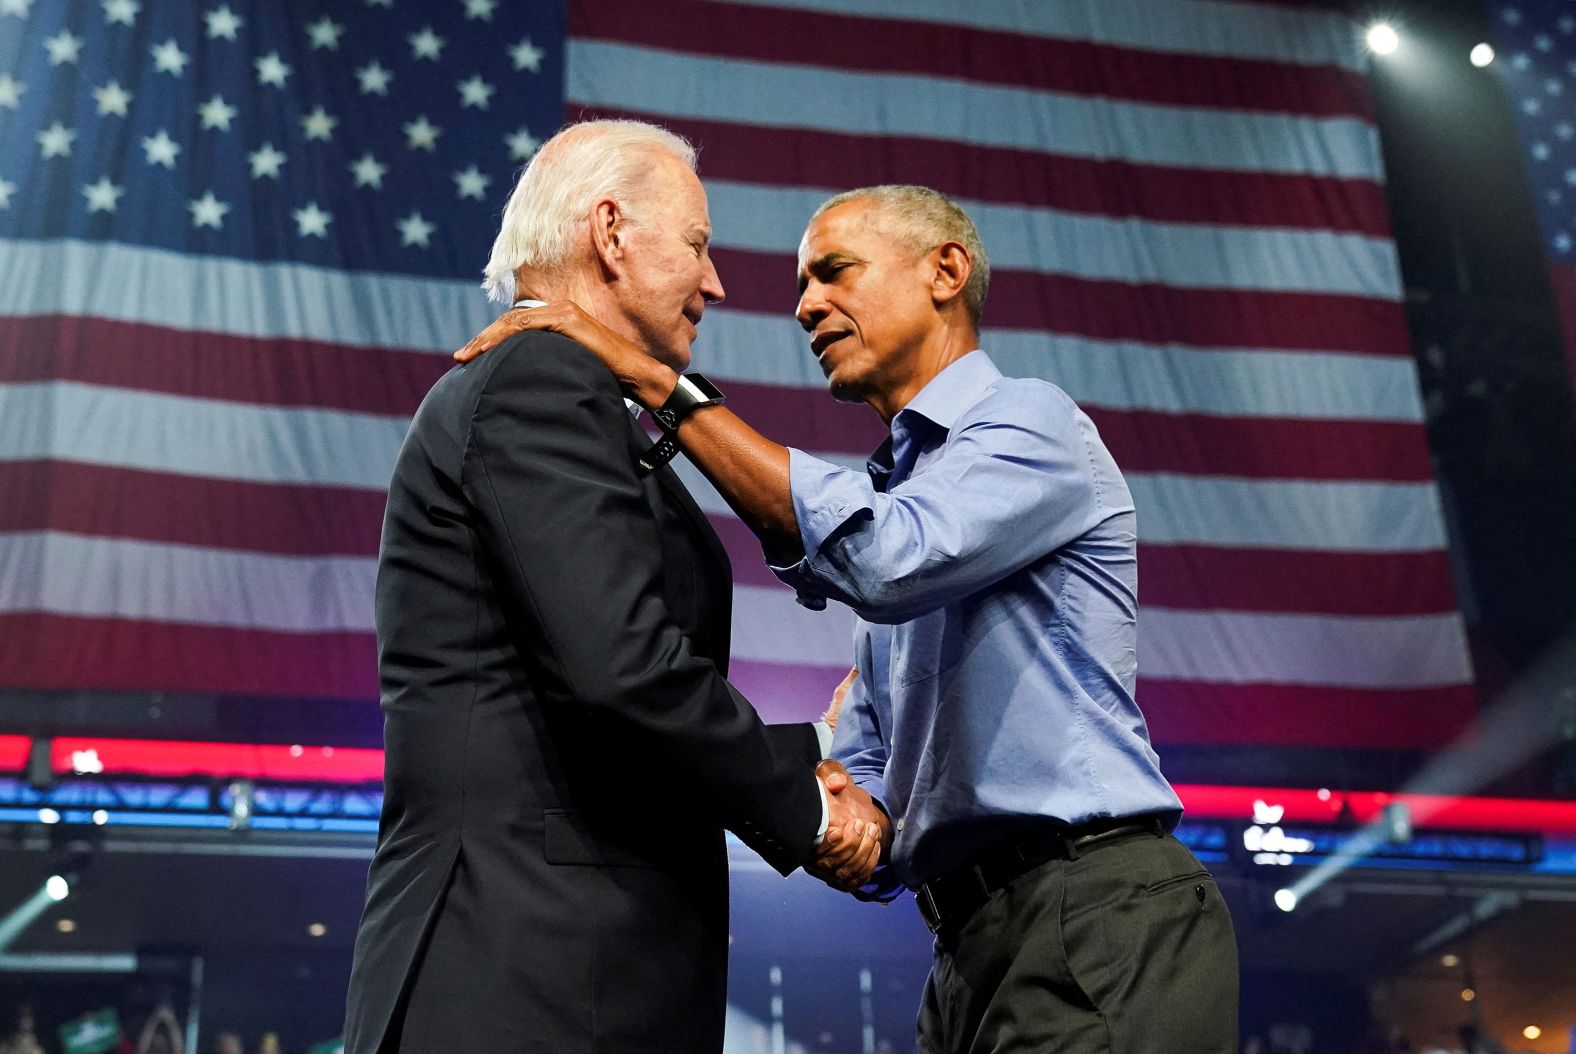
x=635 y=409
x=954 y=390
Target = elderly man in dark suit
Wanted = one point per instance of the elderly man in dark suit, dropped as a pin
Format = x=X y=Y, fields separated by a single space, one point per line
x=563 y=751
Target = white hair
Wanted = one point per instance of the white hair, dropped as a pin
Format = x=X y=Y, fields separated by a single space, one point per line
x=922 y=218
x=548 y=209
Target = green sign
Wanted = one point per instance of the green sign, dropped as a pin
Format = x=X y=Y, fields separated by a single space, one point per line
x=92 y=1033
x=331 y=1046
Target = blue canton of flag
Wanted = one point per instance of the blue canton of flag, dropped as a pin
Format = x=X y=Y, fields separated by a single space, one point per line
x=1536 y=42
x=377 y=135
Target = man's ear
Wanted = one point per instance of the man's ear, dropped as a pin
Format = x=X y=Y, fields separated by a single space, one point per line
x=607 y=236
x=953 y=268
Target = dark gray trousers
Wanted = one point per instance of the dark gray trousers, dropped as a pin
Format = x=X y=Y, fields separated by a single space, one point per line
x=1127 y=950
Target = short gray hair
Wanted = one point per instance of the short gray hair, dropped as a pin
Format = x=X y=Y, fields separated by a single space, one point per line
x=922 y=218
x=581 y=165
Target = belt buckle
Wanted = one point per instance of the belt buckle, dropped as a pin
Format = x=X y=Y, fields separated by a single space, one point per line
x=926 y=901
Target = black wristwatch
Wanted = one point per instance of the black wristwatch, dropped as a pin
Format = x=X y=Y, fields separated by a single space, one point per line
x=691 y=393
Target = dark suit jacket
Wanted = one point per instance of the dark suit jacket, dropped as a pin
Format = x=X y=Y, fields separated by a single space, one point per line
x=553 y=638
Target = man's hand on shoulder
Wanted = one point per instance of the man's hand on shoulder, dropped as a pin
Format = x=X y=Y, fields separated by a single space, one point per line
x=642 y=377
x=858 y=834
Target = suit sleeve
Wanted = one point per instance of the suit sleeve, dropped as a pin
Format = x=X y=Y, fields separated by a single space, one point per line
x=549 y=471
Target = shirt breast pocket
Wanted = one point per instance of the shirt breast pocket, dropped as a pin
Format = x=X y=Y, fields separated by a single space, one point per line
x=928 y=646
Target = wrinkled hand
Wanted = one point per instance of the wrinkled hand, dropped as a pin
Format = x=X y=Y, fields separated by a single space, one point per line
x=622 y=356
x=858 y=833
x=835 y=708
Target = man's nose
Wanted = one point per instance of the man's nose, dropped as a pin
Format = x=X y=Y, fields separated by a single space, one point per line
x=812 y=308
x=711 y=284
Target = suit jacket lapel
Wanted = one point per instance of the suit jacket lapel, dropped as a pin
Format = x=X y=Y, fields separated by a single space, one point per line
x=680 y=496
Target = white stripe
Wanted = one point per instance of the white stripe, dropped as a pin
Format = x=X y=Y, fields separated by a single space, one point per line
x=1361 y=652
x=1212 y=646
x=197 y=437
x=1188 y=27
x=1185 y=255
x=1121 y=375
x=1287 y=514
x=780 y=95
x=770 y=626
x=1241 y=513
x=166 y=433
x=67 y=574
x=262 y=300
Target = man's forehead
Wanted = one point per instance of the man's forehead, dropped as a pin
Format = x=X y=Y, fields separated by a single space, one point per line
x=835 y=231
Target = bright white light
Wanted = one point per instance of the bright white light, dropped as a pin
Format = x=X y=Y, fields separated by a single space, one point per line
x=1482 y=55
x=86 y=762
x=100 y=817
x=48 y=815
x=57 y=888
x=1382 y=38
x=1532 y=1032
x=1285 y=899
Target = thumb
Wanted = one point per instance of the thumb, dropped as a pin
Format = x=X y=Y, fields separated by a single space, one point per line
x=834 y=776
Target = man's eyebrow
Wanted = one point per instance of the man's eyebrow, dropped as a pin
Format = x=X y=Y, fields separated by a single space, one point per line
x=821 y=263
x=701 y=231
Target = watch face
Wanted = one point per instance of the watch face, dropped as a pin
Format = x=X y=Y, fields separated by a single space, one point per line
x=707 y=389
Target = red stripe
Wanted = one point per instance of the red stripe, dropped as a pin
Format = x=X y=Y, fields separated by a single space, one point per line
x=1306 y=715
x=1265 y=447
x=77 y=653
x=1140 y=440
x=798 y=156
x=1204 y=578
x=273 y=371
x=271 y=761
x=986 y=56
x=1146 y=313
x=1285 y=580
x=188 y=510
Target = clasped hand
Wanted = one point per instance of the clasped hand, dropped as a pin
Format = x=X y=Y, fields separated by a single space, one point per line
x=858 y=833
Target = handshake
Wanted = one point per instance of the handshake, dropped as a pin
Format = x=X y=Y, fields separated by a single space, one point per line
x=858 y=832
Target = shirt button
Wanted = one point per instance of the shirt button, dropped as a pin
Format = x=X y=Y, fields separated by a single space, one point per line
x=900 y=824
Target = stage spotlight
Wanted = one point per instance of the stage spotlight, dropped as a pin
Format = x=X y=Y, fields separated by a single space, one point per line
x=1532 y=1032
x=1382 y=38
x=1482 y=55
x=58 y=888
x=1285 y=899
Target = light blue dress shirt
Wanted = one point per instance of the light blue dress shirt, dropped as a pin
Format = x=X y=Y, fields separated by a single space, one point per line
x=991 y=556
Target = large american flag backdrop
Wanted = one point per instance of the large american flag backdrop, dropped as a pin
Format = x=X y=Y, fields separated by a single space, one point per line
x=238 y=239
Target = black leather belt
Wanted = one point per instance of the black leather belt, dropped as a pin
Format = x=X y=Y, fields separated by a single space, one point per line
x=952 y=898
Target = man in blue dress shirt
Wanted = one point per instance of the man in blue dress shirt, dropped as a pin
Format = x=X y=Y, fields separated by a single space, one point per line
x=990 y=554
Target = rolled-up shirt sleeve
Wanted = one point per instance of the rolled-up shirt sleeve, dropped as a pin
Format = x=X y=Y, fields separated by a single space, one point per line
x=1012 y=483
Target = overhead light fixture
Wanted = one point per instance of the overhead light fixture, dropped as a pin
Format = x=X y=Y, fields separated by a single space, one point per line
x=57 y=887
x=1532 y=1032
x=1285 y=899
x=1382 y=38
x=1482 y=55
x=66 y=925
x=317 y=929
